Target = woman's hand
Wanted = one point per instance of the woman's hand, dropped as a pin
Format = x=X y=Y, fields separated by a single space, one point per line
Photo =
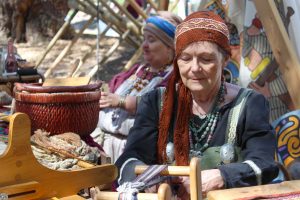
x=109 y=100
x=183 y=192
x=211 y=180
x=94 y=192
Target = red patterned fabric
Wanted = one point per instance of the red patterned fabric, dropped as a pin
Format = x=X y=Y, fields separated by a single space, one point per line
x=290 y=196
x=202 y=26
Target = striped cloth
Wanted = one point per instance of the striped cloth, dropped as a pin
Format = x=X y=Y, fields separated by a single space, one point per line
x=129 y=190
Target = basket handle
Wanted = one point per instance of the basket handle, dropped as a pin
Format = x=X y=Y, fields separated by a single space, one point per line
x=38 y=88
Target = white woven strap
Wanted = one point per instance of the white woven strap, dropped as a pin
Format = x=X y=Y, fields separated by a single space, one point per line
x=256 y=170
x=129 y=190
x=235 y=114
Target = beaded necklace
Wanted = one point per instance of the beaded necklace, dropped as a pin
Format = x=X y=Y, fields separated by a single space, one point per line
x=201 y=129
x=143 y=77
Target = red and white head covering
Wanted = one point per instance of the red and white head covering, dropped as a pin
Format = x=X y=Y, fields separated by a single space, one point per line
x=202 y=26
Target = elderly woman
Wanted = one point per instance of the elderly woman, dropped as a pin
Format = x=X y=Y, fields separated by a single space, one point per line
x=198 y=114
x=118 y=106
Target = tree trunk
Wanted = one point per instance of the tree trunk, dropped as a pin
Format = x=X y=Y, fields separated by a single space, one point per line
x=31 y=19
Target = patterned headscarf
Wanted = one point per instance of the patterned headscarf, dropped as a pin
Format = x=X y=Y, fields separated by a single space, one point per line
x=163 y=27
x=202 y=26
x=199 y=26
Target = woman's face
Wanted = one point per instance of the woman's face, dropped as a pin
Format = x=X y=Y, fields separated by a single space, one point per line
x=200 y=66
x=156 y=53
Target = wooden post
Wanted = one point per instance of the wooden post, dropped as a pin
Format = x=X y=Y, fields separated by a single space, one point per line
x=137 y=8
x=132 y=25
x=112 y=12
x=108 y=53
x=107 y=17
x=56 y=37
x=153 y=5
x=164 y=192
x=195 y=179
x=114 y=47
x=84 y=57
x=163 y=4
x=67 y=48
x=281 y=46
x=175 y=3
x=137 y=23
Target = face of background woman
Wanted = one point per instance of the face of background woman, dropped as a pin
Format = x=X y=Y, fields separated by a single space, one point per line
x=200 y=66
x=156 y=53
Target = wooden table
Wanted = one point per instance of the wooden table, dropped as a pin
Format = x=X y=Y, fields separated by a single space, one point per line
x=7 y=82
x=16 y=78
x=272 y=189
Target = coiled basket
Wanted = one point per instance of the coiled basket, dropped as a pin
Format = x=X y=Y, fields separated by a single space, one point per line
x=60 y=109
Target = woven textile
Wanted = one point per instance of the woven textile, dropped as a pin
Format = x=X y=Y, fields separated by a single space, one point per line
x=60 y=109
x=290 y=196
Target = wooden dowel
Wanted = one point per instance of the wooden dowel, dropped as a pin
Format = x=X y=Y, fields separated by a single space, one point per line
x=171 y=170
x=164 y=192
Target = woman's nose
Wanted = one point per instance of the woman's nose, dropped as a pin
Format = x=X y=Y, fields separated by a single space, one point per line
x=195 y=67
x=145 y=44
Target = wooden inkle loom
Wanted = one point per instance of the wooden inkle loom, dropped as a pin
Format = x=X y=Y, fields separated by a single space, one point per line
x=23 y=177
x=193 y=171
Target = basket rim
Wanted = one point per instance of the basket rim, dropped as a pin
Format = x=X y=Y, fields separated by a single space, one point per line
x=38 y=88
x=67 y=97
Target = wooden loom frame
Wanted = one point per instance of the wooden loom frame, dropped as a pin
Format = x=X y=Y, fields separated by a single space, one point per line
x=23 y=177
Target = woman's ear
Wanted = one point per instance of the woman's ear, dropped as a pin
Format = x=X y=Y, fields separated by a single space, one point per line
x=171 y=54
x=225 y=61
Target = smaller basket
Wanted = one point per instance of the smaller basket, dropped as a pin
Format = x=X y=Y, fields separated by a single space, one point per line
x=60 y=109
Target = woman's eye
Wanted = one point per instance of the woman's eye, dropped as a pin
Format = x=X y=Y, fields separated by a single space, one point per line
x=207 y=59
x=185 y=58
x=151 y=39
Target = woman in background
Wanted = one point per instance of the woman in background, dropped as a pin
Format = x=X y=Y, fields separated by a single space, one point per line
x=118 y=106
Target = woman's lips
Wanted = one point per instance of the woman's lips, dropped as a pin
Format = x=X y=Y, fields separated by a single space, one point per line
x=198 y=79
